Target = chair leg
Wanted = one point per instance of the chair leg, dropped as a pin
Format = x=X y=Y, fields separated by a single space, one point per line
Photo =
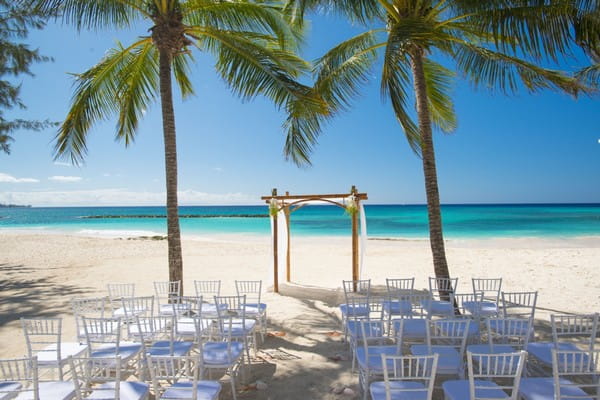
x=233 y=391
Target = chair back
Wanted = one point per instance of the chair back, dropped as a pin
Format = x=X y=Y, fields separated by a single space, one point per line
x=102 y=331
x=251 y=289
x=514 y=332
x=442 y=288
x=89 y=307
x=399 y=287
x=165 y=290
x=43 y=335
x=448 y=333
x=519 y=304
x=208 y=289
x=413 y=369
x=503 y=369
x=155 y=328
x=357 y=288
x=19 y=377
x=89 y=375
x=231 y=306
x=177 y=374
x=581 y=328
x=118 y=290
x=489 y=286
x=576 y=374
x=469 y=304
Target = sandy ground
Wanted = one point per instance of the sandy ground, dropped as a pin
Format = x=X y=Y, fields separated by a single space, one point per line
x=304 y=356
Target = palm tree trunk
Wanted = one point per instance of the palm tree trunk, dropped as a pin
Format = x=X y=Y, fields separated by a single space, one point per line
x=168 y=118
x=436 y=237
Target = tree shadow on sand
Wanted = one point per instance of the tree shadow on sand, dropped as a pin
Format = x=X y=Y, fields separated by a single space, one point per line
x=39 y=297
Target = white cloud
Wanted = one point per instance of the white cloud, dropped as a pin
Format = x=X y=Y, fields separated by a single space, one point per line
x=122 y=197
x=63 y=164
x=11 y=179
x=217 y=169
x=60 y=178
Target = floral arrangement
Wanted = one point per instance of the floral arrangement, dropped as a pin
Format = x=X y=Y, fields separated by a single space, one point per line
x=351 y=205
x=273 y=207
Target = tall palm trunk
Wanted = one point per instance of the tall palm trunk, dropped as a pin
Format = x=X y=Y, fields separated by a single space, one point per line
x=436 y=237
x=168 y=118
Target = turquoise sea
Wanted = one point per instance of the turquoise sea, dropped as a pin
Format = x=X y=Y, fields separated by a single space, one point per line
x=386 y=221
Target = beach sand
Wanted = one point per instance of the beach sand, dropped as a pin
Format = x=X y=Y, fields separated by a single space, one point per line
x=303 y=357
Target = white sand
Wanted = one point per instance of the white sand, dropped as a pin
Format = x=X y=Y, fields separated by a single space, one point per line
x=39 y=274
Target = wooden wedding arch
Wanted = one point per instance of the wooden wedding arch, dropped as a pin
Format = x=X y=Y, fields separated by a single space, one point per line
x=290 y=203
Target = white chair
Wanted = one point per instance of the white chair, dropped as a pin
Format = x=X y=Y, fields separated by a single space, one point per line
x=92 y=307
x=193 y=327
x=519 y=304
x=101 y=378
x=575 y=375
x=166 y=292
x=469 y=306
x=116 y=292
x=104 y=341
x=208 y=289
x=447 y=338
x=569 y=333
x=178 y=378
x=242 y=328
x=372 y=344
x=254 y=308
x=441 y=303
x=398 y=298
x=490 y=290
x=19 y=380
x=491 y=376
x=359 y=291
x=355 y=324
x=44 y=341
x=508 y=336
x=405 y=377
x=412 y=328
x=222 y=353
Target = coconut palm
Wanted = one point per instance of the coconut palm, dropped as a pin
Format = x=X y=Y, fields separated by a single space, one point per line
x=251 y=40
x=423 y=43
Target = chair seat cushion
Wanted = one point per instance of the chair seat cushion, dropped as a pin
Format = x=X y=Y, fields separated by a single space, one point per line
x=543 y=388
x=397 y=307
x=215 y=353
x=172 y=309
x=127 y=391
x=7 y=387
x=50 y=356
x=165 y=348
x=354 y=309
x=239 y=327
x=449 y=361
x=481 y=308
x=207 y=390
x=459 y=390
x=542 y=351
x=121 y=311
x=55 y=390
x=499 y=326
x=373 y=361
x=487 y=349
x=372 y=328
x=125 y=350
x=437 y=307
x=378 y=390
x=255 y=308
x=413 y=328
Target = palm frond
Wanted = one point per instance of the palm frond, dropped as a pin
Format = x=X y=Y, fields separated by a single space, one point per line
x=590 y=76
x=181 y=70
x=396 y=83
x=344 y=69
x=439 y=82
x=495 y=70
x=264 y=18
x=95 y=99
x=93 y=14
x=138 y=84
x=361 y=11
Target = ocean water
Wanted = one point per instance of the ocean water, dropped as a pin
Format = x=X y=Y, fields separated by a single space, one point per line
x=385 y=221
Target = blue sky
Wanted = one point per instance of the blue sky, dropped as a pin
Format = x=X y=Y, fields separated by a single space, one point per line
x=525 y=148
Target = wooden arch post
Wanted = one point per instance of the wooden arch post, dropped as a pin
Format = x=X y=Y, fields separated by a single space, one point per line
x=288 y=201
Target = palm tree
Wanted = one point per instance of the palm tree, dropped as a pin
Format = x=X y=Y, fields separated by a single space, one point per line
x=492 y=43
x=251 y=40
